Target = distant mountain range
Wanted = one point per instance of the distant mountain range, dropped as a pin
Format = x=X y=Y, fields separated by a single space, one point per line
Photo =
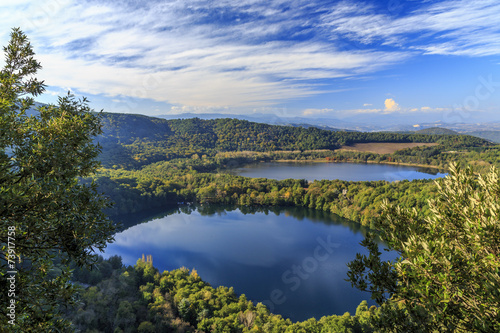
x=437 y=130
x=488 y=131
x=271 y=119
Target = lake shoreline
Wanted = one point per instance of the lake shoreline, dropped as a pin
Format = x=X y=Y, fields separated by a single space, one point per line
x=260 y=251
x=360 y=162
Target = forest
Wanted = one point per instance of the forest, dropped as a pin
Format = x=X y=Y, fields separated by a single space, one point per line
x=133 y=141
x=151 y=163
x=434 y=286
x=141 y=299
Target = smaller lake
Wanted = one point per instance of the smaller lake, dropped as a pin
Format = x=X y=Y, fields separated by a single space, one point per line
x=343 y=171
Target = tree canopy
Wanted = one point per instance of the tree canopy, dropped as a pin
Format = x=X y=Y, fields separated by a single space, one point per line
x=447 y=278
x=45 y=211
x=132 y=141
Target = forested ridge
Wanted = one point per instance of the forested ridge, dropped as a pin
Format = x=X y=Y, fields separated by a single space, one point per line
x=165 y=184
x=152 y=162
x=132 y=141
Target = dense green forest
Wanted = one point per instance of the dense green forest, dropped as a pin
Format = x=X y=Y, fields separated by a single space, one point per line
x=165 y=184
x=154 y=163
x=132 y=141
x=444 y=280
x=151 y=162
x=141 y=299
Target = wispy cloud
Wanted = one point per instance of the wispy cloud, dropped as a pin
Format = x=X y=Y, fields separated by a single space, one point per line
x=449 y=27
x=392 y=107
x=249 y=53
x=315 y=112
x=196 y=53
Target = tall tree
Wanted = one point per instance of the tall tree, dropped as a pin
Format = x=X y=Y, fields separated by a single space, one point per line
x=447 y=277
x=47 y=214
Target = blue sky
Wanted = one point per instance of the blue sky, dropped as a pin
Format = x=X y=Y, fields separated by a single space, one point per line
x=434 y=60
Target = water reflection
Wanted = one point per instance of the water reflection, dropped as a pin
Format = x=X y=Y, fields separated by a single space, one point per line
x=296 y=253
x=344 y=171
x=298 y=213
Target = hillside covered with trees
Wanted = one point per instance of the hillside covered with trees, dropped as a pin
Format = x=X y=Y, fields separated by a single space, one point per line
x=132 y=141
x=446 y=279
x=142 y=299
x=150 y=162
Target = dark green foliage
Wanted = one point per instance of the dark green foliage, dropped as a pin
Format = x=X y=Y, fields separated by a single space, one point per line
x=131 y=141
x=45 y=213
x=166 y=183
x=447 y=278
x=140 y=299
x=100 y=270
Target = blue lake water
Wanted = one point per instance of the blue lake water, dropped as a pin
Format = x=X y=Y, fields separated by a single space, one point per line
x=343 y=171
x=291 y=259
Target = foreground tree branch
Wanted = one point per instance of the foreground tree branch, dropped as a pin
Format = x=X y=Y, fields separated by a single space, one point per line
x=447 y=277
x=47 y=216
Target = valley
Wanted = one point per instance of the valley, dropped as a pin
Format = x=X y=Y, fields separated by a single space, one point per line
x=214 y=197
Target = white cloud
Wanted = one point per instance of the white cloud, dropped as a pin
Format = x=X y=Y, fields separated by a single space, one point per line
x=176 y=52
x=448 y=27
x=391 y=105
x=310 y=112
x=165 y=52
x=54 y=92
x=197 y=109
x=432 y=109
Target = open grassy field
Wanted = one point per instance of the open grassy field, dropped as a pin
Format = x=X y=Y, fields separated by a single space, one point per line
x=383 y=147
